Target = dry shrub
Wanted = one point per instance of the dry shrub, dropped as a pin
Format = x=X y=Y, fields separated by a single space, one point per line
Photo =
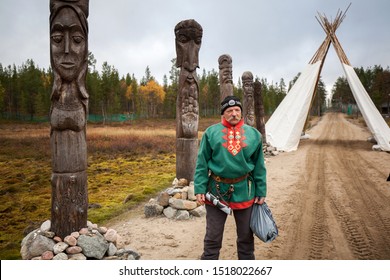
x=130 y=144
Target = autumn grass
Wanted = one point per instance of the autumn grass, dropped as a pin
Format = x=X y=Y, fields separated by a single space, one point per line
x=127 y=164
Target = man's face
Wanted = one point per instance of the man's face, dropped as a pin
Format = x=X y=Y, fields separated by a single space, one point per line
x=232 y=115
x=67 y=44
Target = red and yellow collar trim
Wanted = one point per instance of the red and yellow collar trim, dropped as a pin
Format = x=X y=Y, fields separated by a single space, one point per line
x=234 y=137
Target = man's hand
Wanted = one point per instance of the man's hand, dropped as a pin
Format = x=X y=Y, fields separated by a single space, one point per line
x=200 y=198
x=259 y=200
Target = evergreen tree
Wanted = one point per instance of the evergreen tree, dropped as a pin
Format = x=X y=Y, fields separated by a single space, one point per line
x=213 y=94
x=171 y=90
x=31 y=87
x=135 y=100
x=341 y=93
x=110 y=87
x=2 y=99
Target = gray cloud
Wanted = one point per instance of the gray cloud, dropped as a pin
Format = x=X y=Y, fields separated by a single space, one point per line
x=273 y=39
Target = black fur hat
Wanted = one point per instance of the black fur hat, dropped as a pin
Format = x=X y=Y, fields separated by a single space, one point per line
x=230 y=101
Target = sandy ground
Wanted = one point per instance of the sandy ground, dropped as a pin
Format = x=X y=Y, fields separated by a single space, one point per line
x=330 y=200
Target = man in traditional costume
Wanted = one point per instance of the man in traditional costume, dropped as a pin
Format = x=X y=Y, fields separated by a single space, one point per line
x=230 y=167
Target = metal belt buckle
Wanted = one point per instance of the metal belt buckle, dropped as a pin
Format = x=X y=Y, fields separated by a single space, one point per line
x=217 y=178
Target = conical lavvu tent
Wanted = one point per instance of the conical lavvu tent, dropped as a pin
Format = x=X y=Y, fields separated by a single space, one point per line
x=285 y=126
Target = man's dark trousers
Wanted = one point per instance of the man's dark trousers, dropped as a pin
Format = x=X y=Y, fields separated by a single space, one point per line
x=215 y=224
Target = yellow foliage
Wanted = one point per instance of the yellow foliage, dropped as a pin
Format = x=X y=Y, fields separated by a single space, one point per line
x=46 y=80
x=129 y=92
x=205 y=90
x=153 y=92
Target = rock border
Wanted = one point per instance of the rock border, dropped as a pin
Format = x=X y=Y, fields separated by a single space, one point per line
x=91 y=243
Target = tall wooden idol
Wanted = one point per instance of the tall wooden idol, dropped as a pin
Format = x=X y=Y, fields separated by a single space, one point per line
x=225 y=64
x=68 y=115
x=259 y=108
x=248 y=103
x=188 y=39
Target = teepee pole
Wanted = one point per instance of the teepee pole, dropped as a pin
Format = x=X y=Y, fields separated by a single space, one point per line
x=330 y=28
x=319 y=56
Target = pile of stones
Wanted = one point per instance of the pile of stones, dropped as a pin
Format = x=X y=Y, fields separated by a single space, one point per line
x=270 y=151
x=176 y=202
x=91 y=243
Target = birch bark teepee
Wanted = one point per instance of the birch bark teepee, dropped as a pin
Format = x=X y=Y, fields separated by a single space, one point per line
x=286 y=124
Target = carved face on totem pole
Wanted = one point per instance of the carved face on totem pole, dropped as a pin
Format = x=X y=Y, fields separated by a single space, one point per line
x=225 y=75
x=69 y=38
x=69 y=59
x=188 y=38
x=247 y=83
x=249 y=112
x=68 y=44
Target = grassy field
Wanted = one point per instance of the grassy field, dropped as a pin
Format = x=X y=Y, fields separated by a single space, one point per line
x=128 y=164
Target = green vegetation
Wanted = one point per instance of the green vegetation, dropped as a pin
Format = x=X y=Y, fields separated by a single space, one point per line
x=127 y=165
x=376 y=81
x=25 y=93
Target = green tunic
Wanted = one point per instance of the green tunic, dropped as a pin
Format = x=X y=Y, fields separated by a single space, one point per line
x=231 y=152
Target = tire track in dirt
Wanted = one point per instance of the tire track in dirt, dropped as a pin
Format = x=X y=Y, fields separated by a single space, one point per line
x=365 y=218
x=368 y=215
x=311 y=233
x=343 y=198
x=342 y=211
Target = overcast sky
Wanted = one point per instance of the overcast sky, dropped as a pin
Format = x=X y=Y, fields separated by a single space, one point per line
x=273 y=39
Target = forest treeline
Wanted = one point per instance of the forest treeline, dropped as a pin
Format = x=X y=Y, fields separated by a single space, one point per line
x=376 y=81
x=25 y=91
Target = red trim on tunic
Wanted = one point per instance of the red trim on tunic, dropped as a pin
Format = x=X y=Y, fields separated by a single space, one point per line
x=241 y=205
x=236 y=205
x=234 y=137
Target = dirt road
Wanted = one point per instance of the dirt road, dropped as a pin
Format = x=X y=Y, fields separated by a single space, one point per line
x=330 y=199
x=343 y=209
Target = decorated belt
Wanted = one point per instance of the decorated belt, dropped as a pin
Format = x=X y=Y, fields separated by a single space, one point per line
x=228 y=180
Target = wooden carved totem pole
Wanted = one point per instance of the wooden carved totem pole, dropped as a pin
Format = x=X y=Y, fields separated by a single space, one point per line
x=248 y=103
x=68 y=115
x=188 y=38
x=225 y=75
x=259 y=108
